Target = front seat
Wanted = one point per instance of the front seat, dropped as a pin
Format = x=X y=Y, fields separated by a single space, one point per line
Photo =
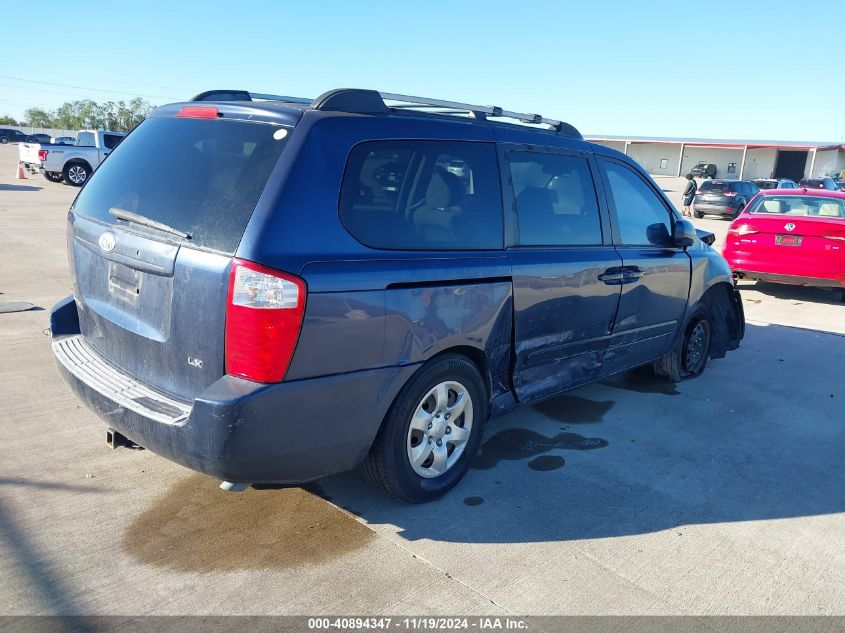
x=433 y=220
x=537 y=219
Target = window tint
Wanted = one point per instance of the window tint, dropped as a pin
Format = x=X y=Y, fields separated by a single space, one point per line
x=555 y=199
x=418 y=195
x=712 y=185
x=200 y=176
x=85 y=139
x=642 y=216
x=812 y=206
x=111 y=140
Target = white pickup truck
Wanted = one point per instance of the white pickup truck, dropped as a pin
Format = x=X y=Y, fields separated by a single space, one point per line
x=72 y=163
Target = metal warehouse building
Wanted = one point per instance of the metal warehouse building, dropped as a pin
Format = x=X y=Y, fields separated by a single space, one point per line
x=733 y=159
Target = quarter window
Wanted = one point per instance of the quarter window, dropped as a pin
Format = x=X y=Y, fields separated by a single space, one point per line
x=421 y=195
x=111 y=140
x=643 y=218
x=555 y=199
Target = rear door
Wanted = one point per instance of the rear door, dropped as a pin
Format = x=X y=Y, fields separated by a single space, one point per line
x=152 y=301
x=565 y=270
x=656 y=273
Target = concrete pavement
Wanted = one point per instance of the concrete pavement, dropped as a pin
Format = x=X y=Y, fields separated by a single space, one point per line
x=722 y=495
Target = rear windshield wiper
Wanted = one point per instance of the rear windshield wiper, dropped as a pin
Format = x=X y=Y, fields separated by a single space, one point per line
x=123 y=214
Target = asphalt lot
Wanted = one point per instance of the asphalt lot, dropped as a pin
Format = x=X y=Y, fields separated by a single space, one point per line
x=722 y=495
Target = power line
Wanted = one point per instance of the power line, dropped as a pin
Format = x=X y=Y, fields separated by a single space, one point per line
x=103 y=90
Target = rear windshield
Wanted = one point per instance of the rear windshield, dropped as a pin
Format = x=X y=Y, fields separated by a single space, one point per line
x=201 y=177
x=812 y=206
x=712 y=185
x=808 y=182
x=766 y=184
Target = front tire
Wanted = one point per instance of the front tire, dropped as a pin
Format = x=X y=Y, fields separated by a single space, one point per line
x=698 y=214
x=688 y=357
x=76 y=174
x=431 y=432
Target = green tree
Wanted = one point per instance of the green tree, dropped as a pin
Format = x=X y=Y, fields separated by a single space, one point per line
x=119 y=116
x=39 y=118
x=5 y=119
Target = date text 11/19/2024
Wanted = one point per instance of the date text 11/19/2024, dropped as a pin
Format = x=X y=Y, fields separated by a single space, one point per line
x=416 y=623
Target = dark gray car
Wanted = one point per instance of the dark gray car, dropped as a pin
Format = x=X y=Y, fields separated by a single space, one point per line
x=725 y=198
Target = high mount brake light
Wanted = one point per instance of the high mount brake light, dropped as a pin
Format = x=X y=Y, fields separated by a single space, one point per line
x=198 y=112
x=263 y=318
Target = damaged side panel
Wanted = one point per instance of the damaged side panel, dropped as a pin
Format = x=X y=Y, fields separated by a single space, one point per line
x=712 y=283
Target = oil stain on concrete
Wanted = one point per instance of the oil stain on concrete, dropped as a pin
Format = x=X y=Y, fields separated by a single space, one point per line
x=196 y=527
x=574 y=410
x=544 y=463
x=642 y=380
x=473 y=501
x=516 y=444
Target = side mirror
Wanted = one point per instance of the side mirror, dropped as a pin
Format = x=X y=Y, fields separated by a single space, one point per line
x=683 y=233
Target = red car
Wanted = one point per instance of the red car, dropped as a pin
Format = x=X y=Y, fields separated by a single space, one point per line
x=792 y=236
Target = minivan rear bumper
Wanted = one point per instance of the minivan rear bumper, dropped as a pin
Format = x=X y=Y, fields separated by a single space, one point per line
x=240 y=431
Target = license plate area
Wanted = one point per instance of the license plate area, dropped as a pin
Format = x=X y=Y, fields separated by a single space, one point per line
x=788 y=240
x=124 y=282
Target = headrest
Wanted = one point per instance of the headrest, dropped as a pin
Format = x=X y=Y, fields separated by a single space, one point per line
x=773 y=206
x=830 y=210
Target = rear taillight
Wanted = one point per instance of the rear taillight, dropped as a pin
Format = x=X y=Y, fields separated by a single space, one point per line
x=42 y=154
x=837 y=238
x=743 y=229
x=263 y=318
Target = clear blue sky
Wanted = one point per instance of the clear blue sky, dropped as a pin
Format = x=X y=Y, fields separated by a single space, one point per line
x=606 y=67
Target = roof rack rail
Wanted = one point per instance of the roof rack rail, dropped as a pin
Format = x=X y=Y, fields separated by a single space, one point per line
x=361 y=101
x=477 y=111
x=243 y=95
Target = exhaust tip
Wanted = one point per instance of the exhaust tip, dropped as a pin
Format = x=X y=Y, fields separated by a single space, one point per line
x=228 y=486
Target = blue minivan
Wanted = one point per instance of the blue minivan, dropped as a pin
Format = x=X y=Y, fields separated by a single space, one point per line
x=270 y=289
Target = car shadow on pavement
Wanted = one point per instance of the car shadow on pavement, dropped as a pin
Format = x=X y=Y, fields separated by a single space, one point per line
x=5 y=187
x=758 y=436
x=800 y=294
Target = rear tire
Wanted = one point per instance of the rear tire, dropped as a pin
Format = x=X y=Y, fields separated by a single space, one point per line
x=53 y=176
x=688 y=357
x=418 y=419
x=4 y=140
x=76 y=174
x=698 y=214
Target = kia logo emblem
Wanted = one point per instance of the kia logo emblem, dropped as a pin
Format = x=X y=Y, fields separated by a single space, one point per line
x=790 y=227
x=107 y=242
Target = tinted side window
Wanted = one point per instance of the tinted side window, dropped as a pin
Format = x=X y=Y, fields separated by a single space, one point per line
x=419 y=195
x=555 y=199
x=85 y=139
x=111 y=140
x=643 y=218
